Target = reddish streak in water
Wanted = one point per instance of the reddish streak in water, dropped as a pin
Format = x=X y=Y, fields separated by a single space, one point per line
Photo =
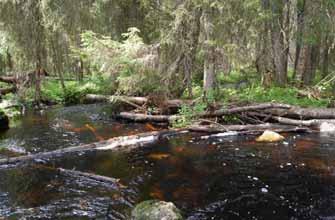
x=305 y=144
x=317 y=164
x=150 y=127
x=158 y=156
x=94 y=131
x=157 y=193
x=179 y=149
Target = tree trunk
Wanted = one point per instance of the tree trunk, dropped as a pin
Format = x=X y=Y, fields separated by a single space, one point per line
x=307 y=46
x=279 y=47
x=272 y=58
x=209 y=58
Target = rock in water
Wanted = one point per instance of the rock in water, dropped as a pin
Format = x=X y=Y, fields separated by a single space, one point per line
x=156 y=210
x=327 y=127
x=270 y=136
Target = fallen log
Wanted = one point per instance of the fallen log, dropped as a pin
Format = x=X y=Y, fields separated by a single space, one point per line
x=308 y=123
x=146 y=118
x=91 y=98
x=236 y=110
x=6 y=91
x=305 y=113
x=8 y=79
x=125 y=143
x=245 y=129
x=279 y=110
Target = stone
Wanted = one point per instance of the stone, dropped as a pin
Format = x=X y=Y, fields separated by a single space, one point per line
x=270 y=136
x=156 y=210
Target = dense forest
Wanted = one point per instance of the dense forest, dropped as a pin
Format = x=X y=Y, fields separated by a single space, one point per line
x=179 y=48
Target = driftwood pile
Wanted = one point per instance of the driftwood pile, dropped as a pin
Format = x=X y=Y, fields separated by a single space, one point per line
x=251 y=115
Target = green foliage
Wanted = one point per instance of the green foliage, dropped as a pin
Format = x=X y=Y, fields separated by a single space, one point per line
x=188 y=114
x=127 y=64
x=277 y=94
x=52 y=91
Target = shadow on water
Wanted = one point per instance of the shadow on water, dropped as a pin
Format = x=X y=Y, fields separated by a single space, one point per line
x=232 y=178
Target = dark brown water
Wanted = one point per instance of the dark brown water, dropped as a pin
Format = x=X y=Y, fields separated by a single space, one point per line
x=230 y=178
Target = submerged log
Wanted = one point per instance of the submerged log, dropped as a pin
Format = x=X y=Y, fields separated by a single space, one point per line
x=245 y=129
x=114 y=183
x=91 y=98
x=124 y=143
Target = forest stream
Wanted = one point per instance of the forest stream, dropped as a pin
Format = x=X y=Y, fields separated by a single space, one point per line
x=217 y=178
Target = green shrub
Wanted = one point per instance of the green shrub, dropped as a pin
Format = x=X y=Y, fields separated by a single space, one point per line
x=188 y=114
x=288 y=95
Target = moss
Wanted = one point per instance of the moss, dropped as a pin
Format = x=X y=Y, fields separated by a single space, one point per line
x=156 y=210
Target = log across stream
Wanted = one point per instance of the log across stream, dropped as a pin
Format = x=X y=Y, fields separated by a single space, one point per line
x=206 y=176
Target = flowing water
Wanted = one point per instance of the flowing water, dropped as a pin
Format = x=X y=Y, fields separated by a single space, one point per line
x=222 y=178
